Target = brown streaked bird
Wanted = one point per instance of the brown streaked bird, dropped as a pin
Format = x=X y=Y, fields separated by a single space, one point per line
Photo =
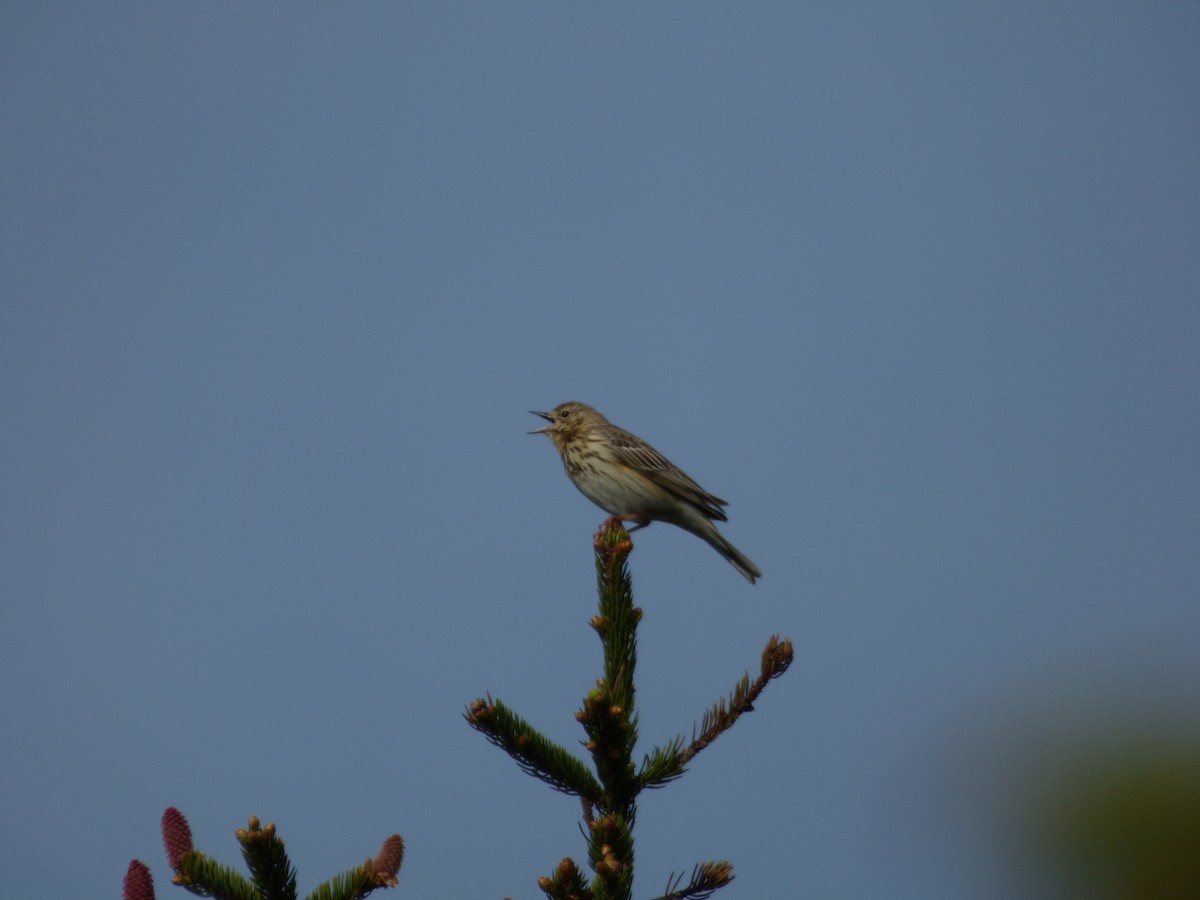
x=629 y=479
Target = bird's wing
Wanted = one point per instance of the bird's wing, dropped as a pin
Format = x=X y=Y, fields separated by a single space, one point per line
x=640 y=456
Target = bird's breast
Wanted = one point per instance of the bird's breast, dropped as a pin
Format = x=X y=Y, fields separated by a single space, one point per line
x=616 y=488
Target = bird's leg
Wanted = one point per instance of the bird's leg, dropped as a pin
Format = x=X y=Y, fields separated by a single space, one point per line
x=614 y=522
x=642 y=521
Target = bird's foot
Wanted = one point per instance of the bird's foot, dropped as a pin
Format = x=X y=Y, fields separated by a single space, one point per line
x=612 y=523
x=615 y=523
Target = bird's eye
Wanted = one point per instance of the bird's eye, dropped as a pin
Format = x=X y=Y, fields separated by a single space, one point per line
x=565 y=414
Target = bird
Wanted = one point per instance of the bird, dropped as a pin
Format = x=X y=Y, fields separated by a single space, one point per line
x=632 y=481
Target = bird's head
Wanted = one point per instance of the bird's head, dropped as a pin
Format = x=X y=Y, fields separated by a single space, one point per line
x=567 y=420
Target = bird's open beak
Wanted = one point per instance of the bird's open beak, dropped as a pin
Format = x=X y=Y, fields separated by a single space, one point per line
x=545 y=416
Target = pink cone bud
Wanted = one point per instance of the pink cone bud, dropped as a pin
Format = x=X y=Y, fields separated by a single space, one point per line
x=177 y=836
x=138 y=883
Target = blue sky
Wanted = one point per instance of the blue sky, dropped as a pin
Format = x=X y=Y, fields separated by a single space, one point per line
x=915 y=287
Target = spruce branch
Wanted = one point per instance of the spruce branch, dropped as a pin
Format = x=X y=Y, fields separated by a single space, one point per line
x=536 y=754
x=206 y=877
x=378 y=871
x=619 y=618
x=706 y=879
x=608 y=711
x=611 y=731
x=267 y=861
x=610 y=852
x=662 y=766
x=667 y=763
x=350 y=885
x=272 y=875
x=776 y=658
x=608 y=800
x=567 y=883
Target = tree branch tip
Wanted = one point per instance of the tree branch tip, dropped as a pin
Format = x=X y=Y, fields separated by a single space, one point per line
x=479 y=710
x=386 y=865
x=777 y=656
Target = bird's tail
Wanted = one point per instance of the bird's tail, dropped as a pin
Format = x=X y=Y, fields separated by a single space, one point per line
x=736 y=558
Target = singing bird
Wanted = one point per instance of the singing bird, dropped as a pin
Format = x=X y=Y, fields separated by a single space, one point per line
x=629 y=479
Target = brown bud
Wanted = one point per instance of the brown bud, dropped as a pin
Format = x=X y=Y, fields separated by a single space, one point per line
x=386 y=865
x=479 y=709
